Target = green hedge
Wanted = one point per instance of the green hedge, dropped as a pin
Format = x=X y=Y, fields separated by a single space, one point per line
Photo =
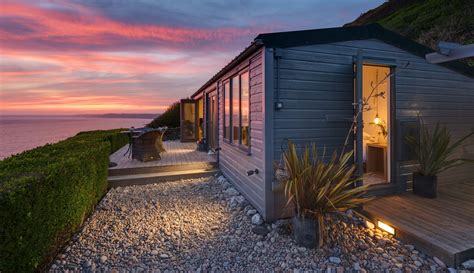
x=46 y=193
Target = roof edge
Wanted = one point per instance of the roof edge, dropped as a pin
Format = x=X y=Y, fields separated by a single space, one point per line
x=252 y=48
x=333 y=35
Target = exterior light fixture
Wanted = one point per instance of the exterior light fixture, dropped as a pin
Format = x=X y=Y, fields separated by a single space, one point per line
x=385 y=227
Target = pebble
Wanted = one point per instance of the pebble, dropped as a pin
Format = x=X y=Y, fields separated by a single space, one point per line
x=103 y=259
x=251 y=212
x=469 y=264
x=257 y=219
x=206 y=225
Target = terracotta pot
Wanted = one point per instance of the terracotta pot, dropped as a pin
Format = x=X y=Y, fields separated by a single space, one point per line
x=425 y=185
x=306 y=232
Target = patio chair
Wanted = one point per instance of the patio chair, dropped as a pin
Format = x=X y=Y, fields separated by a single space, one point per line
x=147 y=145
x=159 y=142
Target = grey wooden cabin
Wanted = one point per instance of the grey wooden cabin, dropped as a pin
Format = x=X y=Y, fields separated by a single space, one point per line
x=302 y=85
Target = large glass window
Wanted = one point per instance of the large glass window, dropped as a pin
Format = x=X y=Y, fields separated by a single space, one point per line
x=245 y=111
x=235 y=110
x=227 y=111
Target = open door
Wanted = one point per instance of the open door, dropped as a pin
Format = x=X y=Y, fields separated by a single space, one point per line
x=373 y=133
x=189 y=120
x=359 y=106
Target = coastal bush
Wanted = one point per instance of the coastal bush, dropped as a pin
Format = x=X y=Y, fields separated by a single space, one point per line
x=46 y=193
x=169 y=118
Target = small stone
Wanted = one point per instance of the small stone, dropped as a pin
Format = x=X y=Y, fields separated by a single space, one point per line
x=88 y=263
x=356 y=266
x=410 y=247
x=369 y=225
x=257 y=219
x=251 y=212
x=164 y=256
x=231 y=191
x=469 y=264
x=103 y=258
x=452 y=270
x=418 y=263
x=340 y=269
x=154 y=252
x=334 y=260
x=260 y=230
x=236 y=201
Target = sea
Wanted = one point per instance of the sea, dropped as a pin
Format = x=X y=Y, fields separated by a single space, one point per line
x=21 y=133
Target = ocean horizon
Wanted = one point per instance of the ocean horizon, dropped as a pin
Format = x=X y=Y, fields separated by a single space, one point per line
x=19 y=133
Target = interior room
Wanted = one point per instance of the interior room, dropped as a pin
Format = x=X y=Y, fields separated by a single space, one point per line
x=376 y=137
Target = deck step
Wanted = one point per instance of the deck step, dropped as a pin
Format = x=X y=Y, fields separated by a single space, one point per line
x=156 y=177
x=116 y=171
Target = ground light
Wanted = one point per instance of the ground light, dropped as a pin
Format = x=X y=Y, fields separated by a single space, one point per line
x=385 y=227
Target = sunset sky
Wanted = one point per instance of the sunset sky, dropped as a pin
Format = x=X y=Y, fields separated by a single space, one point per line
x=119 y=56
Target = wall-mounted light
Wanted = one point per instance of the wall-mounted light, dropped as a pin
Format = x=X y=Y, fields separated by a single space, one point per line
x=252 y=172
x=385 y=227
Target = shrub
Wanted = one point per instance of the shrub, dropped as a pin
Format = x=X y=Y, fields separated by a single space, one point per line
x=46 y=193
x=169 y=118
x=316 y=187
x=434 y=150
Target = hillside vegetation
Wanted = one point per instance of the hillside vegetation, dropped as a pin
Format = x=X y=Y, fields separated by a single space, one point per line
x=169 y=118
x=425 y=21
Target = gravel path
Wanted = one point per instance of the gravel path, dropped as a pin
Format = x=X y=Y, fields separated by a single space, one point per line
x=205 y=224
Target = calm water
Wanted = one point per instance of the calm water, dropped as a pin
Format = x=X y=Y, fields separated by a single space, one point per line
x=18 y=134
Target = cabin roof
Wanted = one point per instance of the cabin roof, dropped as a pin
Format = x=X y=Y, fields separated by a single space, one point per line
x=333 y=35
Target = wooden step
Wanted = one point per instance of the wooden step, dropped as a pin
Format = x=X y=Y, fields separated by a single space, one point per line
x=115 y=171
x=156 y=177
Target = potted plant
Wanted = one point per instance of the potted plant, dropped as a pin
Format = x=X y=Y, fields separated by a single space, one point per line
x=433 y=151
x=316 y=187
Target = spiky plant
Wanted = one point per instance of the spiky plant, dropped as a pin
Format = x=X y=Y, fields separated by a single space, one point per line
x=433 y=149
x=316 y=187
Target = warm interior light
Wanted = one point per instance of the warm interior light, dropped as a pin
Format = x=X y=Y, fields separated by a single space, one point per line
x=386 y=227
x=377 y=119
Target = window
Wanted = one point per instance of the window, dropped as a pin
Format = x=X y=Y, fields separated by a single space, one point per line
x=227 y=111
x=245 y=110
x=237 y=110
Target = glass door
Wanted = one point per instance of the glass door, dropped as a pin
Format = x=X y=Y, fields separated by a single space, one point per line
x=212 y=116
x=372 y=142
x=189 y=120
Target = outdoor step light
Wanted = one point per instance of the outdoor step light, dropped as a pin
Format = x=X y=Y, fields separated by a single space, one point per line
x=385 y=227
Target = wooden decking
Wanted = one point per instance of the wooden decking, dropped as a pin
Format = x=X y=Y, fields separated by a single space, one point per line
x=181 y=160
x=441 y=227
x=177 y=153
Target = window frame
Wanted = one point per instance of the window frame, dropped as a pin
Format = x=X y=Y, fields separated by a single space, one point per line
x=227 y=138
x=230 y=138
